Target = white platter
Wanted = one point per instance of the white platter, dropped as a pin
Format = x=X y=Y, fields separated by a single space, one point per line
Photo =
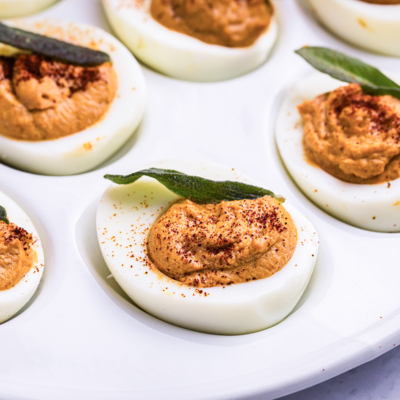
x=81 y=338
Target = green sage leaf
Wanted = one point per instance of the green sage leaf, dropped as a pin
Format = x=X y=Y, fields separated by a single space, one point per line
x=3 y=215
x=50 y=47
x=349 y=69
x=199 y=190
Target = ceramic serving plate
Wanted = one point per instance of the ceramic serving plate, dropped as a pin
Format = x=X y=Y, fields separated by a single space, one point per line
x=80 y=337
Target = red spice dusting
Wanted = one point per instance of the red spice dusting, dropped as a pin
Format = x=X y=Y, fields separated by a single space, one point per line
x=232 y=242
x=17 y=254
x=14 y=232
x=35 y=66
x=6 y=67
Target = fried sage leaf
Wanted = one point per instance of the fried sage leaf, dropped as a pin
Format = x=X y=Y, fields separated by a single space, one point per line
x=3 y=215
x=199 y=190
x=50 y=47
x=349 y=69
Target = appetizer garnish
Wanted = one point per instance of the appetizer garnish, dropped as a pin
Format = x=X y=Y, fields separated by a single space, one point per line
x=195 y=188
x=348 y=69
x=195 y=40
x=370 y=24
x=3 y=215
x=21 y=259
x=66 y=93
x=20 y=8
x=352 y=133
x=220 y=256
x=55 y=49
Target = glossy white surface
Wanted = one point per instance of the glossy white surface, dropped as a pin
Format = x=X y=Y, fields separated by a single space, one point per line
x=375 y=27
x=124 y=217
x=81 y=338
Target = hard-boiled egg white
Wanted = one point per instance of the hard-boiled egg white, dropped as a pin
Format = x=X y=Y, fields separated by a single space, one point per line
x=83 y=151
x=375 y=27
x=124 y=217
x=179 y=55
x=373 y=207
x=19 y=8
x=12 y=300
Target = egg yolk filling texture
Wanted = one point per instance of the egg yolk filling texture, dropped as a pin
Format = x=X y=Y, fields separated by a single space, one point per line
x=16 y=255
x=42 y=99
x=229 y=23
x=382 y=1
x=352 y=135
x=222 y=244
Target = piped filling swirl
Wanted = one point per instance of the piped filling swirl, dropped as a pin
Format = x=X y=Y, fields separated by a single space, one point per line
x=228 y=23
x=42 y=99
x=222 y=244
x=16 y=255
x=352 y=135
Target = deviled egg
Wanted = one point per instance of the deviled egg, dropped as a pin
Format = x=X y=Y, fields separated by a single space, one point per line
x=341 y=144
x=21 y=258
x=371 y=24
x=66 y=110
x=19 y=8
x=224 y=267
x=196 y=41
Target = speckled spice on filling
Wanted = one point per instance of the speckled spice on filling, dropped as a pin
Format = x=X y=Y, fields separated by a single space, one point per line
x=16 y=254
x=352 y=135
x=42 y=99
x=231 y=242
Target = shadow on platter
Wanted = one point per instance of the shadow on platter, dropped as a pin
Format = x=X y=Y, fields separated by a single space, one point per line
x=120 y=153
x=87 y=244
x=125 y=149
x=50 y=280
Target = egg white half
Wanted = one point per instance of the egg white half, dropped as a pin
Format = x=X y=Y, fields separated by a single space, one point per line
x=124 y=216
x=83 y=151
x=375 y=27
x=12 y=300
x=19 y=8
x=179 y=55
x=372 y=207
